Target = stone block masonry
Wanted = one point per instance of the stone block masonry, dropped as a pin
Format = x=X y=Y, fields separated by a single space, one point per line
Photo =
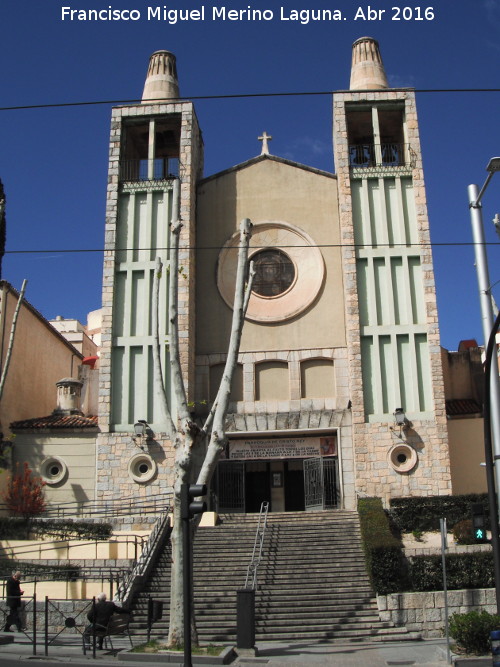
x=424 y=612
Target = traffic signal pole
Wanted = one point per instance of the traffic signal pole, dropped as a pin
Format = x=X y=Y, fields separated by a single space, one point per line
x=489 y=454
x=189 y=507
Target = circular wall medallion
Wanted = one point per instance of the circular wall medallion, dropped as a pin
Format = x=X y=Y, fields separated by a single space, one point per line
x=142 y=468
x=289 y=271
x=53 y=470
x=402 y=458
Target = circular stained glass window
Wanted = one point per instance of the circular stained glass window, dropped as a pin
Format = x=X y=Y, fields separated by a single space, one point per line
x=274 y=272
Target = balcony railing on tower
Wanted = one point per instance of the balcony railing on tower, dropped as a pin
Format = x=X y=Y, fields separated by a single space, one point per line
x=378 y=155
x=149 y=170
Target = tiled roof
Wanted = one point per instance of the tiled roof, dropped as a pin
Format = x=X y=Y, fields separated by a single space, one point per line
x=462 y=406
x=466 y=344
x=56 y=422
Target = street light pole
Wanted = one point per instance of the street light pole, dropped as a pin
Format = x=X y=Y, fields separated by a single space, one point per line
x=492 y=393
x=491 y=355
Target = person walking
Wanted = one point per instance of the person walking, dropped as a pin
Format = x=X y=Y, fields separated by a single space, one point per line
x=14 y=592
x=99 y=617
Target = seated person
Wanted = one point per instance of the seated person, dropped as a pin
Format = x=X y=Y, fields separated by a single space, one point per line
x=104 y=609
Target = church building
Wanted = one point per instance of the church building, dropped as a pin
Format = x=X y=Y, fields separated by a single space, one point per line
x=339 y=388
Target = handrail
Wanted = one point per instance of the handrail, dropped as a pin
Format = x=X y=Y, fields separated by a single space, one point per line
x=251 y=580
x=143 y=565
x=106 y=508
x=105 y=574
x=13 y=553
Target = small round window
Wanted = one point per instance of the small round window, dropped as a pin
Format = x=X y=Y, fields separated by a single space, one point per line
x=53 y=470
x=274 y=272
x=142 y=468
x=402 y=458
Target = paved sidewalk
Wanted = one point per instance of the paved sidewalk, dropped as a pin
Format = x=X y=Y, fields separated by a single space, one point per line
x=432 y=653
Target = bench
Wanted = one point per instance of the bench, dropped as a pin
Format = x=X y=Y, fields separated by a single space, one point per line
x=118 y=626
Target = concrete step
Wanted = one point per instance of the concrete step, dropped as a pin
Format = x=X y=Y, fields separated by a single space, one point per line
x=312 y=580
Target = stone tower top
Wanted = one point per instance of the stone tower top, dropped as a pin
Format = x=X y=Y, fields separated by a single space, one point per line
x=367 y=69
x=161 y=79
x=68 y=397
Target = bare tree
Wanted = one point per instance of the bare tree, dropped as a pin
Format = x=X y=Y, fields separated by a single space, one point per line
x=188 y=438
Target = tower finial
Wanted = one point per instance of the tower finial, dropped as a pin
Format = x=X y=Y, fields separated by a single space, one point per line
x=367 y=69
x=161 y=80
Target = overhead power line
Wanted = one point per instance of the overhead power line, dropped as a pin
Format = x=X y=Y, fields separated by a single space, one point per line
x=55 y=105
x=431 y=244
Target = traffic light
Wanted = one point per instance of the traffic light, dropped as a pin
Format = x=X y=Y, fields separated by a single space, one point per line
x=189 y=506
x=479 y=523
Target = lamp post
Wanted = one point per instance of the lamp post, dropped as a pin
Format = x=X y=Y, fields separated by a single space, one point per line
x=492 y=392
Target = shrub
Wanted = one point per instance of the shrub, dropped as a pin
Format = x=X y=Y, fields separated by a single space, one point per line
x=383 y=553
x=474 y=570
x=24 y=495
x=472 y=630
x=423 y=513
x=463 y=532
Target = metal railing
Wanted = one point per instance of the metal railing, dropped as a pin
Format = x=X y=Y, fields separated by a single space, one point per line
x=157 y=169
x=107 y=508
x=145 y=562
x=378 y=155
x=112 y=576
x=71 y=544
x=251 y=579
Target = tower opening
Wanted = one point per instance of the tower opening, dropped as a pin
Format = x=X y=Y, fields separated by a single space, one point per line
x=151 y=149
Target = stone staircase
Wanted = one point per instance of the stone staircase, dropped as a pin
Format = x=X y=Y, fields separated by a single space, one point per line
x=312 y=581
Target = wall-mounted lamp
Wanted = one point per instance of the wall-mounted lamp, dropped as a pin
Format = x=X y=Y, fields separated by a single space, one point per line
x=400 y=417
x=141 y=434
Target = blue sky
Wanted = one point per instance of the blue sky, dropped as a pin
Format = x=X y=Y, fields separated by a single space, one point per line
x=53 y=161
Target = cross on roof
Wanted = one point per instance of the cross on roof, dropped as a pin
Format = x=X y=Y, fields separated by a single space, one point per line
x=265 y=146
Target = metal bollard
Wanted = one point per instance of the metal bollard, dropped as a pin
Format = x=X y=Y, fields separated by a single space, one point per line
x=246 y=618
x=495 y=647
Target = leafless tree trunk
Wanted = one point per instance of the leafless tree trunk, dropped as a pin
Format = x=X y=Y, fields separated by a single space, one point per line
x=187 y=437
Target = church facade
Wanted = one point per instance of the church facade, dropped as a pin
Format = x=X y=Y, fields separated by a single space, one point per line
x=338 y=390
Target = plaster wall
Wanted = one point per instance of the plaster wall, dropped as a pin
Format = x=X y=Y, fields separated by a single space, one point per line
x=466 y=438
x=75 y=450
x=40 y=358
x=463 y=374
x=269 y=190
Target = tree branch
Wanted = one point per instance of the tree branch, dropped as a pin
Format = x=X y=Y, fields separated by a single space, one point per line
x=219 y=409
x=11 y=338
x=158 y=383
x=175 y=364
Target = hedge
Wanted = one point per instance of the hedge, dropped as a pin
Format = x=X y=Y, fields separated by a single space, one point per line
x=390 y=572
x=424 y=513
x=383 y=553
x=13 y=528
x=473 y=570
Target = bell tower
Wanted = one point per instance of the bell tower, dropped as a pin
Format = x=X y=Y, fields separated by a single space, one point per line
x=155 y=160
x=391 y=312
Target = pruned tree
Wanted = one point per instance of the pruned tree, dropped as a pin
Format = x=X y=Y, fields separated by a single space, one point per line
x=25 y=495
x=188 y=438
